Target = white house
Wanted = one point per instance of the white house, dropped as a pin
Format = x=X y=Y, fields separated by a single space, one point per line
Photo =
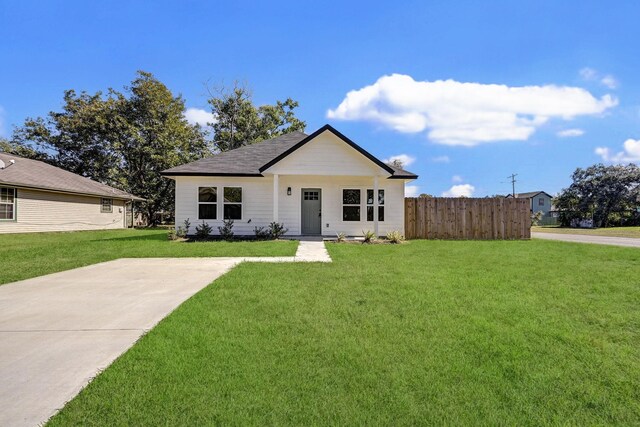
x=318 y=184
x=35 y=196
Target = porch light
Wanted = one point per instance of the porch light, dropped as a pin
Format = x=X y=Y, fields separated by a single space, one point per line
x=288 y=191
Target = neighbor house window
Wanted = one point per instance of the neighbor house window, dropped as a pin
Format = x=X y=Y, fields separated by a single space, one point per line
x=7 y=204
x=207 y=202
x=106 y=205
x=351 y=205
x=540 y=202
x=370 y=205
x=232 y=203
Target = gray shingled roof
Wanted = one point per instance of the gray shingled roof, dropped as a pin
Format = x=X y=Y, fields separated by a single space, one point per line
x=250 y=160
x=29 y=173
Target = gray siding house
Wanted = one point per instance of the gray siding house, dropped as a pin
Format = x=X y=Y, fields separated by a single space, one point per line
x=538 y=200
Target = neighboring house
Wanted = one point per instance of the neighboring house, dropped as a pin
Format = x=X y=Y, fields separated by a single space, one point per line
x=35 y=196
x=539 y=201
x=318 y=184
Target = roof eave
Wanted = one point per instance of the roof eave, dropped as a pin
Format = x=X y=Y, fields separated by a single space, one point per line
x=169 y=174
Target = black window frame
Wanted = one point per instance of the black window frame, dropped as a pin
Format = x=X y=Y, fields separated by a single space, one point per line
x=208 y=203
x=226 y=203
x=352 y=206
x=380 y=205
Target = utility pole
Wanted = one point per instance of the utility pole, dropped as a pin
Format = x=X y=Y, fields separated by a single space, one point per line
x=513 y=184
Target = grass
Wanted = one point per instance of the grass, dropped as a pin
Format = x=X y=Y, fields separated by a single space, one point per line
x=429 y=332
x=611 y=232
x=29 y=255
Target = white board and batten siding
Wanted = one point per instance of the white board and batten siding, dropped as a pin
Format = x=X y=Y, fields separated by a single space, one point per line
x=326 y=163
x=40 y=211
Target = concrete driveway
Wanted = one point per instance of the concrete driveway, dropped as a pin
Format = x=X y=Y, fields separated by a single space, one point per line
x=58 y=331
x=582 y=238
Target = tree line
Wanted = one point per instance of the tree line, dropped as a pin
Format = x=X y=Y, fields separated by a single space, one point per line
x=125 y=138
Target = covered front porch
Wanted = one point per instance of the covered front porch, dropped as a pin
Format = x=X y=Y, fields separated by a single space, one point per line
x=313 y=205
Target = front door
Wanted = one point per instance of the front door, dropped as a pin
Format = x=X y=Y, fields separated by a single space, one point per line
x=311 y=211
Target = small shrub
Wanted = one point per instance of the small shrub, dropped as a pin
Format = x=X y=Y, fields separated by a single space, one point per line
x=395 y=236
x=226 y=229
x=203 y=230
x=173 y=235
x=261 y=233
x=187 y=225
x=277 y=230
x=341 y=237
x=369 y=236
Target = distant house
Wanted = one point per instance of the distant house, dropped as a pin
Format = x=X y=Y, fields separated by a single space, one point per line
x=35 y=196
x=539 y=201
x=318 y=184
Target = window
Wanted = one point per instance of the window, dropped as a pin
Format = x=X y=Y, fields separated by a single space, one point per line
x=232 y=203
x=311 y=195
x=540 y=201
x=7 y=204
x=207 y=202
x=106 y=205
x=370 y=205
x=351 y=205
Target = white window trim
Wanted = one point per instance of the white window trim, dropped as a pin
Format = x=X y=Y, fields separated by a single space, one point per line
x=102 y=204
x=14 y=204
x=198 y=202
x=363 y=196
x=241 y=203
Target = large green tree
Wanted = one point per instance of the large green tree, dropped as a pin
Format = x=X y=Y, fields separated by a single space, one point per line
x=608 y=194
x=239 y=122
x=122 y=139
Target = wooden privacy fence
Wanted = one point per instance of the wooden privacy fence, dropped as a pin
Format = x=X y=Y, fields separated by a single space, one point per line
x=467 y=218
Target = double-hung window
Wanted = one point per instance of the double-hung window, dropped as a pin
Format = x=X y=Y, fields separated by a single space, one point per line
x=541 y=201
x=351 y=204
x=207 y=202
x=370 y=205
x=106 y=205
x=232 y=203
x=7 y=204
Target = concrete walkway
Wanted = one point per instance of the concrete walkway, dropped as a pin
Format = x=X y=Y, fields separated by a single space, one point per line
x=582 y=238
x=59 y=331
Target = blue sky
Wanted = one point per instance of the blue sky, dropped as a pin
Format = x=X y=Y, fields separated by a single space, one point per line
x=471 y=92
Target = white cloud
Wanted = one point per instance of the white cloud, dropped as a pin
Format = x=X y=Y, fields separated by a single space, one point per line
x=456 y=179
x=590 y=75
x=455 y=113
x=609 y=81
x=441 y=159
x=630 y=153
x=411 y=190
x=199 y=116
x=405 y=159
x=570 y=133
x=460 y=190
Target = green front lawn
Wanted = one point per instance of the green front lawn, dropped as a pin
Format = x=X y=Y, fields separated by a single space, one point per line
x=29 y=255
x=610 y=232
x=429 y=332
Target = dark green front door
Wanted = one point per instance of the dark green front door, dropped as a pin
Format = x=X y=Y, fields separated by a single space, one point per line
x=311 y=211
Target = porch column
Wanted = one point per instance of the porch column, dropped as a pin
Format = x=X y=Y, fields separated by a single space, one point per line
x=275 y=197
x=375 y=204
